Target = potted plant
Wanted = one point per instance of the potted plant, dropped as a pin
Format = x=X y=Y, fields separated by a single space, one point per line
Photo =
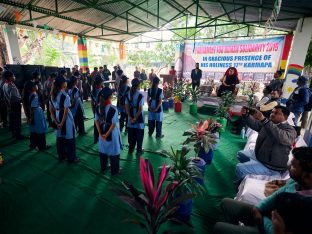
x=223 y=108
x=190 y=175
x=204 y=141
x=177 y=93
x=152 y=204
x=194 y=98
x=168 y=91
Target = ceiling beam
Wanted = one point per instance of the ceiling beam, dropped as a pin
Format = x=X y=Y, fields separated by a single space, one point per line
x=96 y=7
x=10 y=21
x=212 y=38
x=54 y=14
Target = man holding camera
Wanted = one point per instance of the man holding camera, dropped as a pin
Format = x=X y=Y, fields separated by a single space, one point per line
x=273 y=144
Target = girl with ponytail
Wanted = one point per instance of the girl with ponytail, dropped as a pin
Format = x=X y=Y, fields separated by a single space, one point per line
x=155 y=112
x=134 y=108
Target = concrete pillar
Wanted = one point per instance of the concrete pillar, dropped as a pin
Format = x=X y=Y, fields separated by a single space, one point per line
x=299 y=49
x=11 y=41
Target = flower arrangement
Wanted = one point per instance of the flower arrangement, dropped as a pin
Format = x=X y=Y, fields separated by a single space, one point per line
x=168 y=90
x=152 y=204
x=201 y=136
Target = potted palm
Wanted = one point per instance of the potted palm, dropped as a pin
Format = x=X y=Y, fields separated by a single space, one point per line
x=204 y=141
x=152 y=204
x=189 y=172
x=223 y=108
x=194 y=97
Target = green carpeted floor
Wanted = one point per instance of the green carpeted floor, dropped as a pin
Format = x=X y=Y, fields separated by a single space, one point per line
x=40 y=195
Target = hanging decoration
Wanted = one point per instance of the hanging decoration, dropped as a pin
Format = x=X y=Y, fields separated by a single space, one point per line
x=64 y=34
x=14 y=31
x=46 y=27
x=41 y=34
x=55 y=32
x=274 y=15
x=35 y=23
x=17 y=16
x=5 y=30
x=75 y=39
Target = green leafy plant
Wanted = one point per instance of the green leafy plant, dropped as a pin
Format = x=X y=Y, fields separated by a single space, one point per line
x=227 y=100
x=145 y=84
x=200 y=136
x=184 y=171
x=194 y=93
x=152 y=204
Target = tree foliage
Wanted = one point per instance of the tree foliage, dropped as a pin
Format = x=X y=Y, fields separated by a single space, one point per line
x=308 y=60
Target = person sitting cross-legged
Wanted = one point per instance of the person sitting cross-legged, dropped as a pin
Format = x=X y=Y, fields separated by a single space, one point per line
x=273 y=144
x=244 y=218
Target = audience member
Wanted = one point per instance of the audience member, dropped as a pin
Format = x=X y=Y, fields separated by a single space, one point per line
x=299 y=98
x=257 y=219
x=3 y=106
x=136 y=73
x=143 y=75
x=106 y=73
x=273 y=144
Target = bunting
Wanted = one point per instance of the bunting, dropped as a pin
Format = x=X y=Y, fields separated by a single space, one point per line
x=17 y=16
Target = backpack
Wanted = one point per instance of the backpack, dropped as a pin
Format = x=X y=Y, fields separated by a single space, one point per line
x=308 y=106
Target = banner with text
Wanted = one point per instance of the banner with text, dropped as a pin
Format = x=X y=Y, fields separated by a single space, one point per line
x=248 y=56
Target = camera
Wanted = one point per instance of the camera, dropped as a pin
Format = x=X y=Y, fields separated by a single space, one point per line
x=249 y=111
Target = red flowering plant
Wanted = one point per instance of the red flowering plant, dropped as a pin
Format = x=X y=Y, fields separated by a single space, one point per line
x=152 y=204
x=201 y=135
x=168 y=90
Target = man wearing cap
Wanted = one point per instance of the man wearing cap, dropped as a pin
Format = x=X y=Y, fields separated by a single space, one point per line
x=13 y=100
x=299 y=98
x=98 y=85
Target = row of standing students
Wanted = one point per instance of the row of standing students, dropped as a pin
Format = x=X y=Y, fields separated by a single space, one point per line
x=66 y=114
x=130 y=102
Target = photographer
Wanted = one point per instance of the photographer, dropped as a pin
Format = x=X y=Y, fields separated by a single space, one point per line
x=273 y=144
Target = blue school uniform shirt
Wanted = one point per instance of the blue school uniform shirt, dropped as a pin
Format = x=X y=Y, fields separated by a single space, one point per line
x=155 y=115
x=113 y=147
x=78 y=102
x=40 y=124
x=123 y=92
x=134 y=111
x=70 y=129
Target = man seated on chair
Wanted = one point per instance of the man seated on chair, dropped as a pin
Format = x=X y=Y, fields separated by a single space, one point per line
x=273 y=144
x=262 y=218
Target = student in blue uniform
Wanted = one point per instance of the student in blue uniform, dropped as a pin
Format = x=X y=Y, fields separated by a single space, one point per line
x=121 y=99
x=76 y=107
x=37 y=123
x=98 y=85
x=106 y=120
x=64 y=121
x=134 y=108
x=155 y=112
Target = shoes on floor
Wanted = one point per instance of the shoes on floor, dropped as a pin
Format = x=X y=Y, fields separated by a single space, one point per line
x=161 y=136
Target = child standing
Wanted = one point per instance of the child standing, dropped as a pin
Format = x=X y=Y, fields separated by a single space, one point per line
x=47 y=86
x=76 y=107
x=64 y=121
x=13 y=100
x=97 y=87
x=121 y=100
x=106 y=120
x=155 y=112
x=37 y=123
x=134 y=108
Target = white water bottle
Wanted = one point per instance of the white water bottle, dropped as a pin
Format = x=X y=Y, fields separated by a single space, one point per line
x=243 y=131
